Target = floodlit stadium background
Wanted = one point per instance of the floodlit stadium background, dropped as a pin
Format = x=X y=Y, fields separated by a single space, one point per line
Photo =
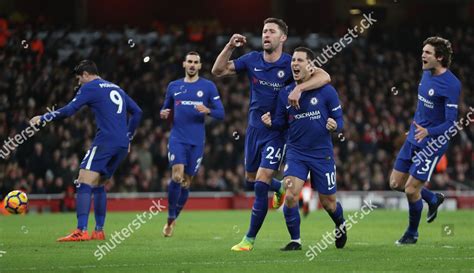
x=140 y=46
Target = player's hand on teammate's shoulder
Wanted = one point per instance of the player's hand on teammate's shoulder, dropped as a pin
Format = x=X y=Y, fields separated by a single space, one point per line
x=294 y=97
x=267 y=119
x=331 y=125
x=237 y=40
x=165 y=113
x=203 y=109
x=35 y=120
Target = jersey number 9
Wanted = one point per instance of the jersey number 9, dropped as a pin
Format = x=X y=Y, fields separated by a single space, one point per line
x=116 y=99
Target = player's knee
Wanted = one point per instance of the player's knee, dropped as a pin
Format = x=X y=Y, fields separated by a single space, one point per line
x=411 y=190
x=393 y=182
x=290 y=199
x=89 y=177
x=394 y=185
x=265 y=176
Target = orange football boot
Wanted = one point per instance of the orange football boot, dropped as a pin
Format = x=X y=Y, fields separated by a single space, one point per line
x=76 y=236
x=98 y=235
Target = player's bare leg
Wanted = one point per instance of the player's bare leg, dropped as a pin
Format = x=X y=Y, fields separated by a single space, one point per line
x=177 y=175
x=87 y=180
x=334 y=209
x=415 y=204
x=398 y=180
x=434 y=200
x=293 y=186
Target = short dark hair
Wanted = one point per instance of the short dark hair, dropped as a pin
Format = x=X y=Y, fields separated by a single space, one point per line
x=309 y=53
x=192 y=53
x=442 y=49
x=86 y=66
x=281 y=24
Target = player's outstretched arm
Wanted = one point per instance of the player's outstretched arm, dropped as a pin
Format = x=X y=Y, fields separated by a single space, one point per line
x=223 y=66
x=82 y=97
x=136 y=112
x=318 y=79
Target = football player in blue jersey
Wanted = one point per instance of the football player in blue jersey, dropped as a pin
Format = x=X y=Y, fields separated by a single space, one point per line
x=268 y=72
x=191 y=99
x=428 y=138
x=111 y=106
x=309 y=147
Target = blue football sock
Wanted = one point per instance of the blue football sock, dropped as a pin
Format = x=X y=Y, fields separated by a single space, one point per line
x=275 y=185
x=415 y=209
x=83 y=204
x=428 y=196
x=259 y=209
x=250 y=185
x=174 y=189
x=293 y=220
x=183 y=197
x=100 y=206
x=337 y=216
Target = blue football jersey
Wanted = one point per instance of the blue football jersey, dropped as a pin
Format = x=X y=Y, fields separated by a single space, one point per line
x=266 y=81
x=307 y=132
x=188 y=122
x=110 y=105
x=437 y=109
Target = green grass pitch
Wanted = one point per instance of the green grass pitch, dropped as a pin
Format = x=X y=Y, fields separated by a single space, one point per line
x=202 y=243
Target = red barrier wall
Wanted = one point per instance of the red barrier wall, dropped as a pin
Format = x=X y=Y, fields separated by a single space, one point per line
x=141 y=204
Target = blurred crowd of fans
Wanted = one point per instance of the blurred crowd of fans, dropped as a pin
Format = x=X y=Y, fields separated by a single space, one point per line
x=376 y=76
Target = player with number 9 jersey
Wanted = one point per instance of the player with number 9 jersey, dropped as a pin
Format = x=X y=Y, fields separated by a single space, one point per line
x=111 y=106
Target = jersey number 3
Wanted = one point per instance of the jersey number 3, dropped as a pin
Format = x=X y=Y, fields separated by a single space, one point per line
x=116 y=99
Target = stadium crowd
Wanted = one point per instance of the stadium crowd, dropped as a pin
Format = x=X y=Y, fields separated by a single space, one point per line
x=376 y=77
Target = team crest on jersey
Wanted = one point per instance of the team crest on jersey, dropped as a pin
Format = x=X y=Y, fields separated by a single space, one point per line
x=172 y=157
x=200 y=93
x=281 y=74
x=431 y=92
x=314 y=101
